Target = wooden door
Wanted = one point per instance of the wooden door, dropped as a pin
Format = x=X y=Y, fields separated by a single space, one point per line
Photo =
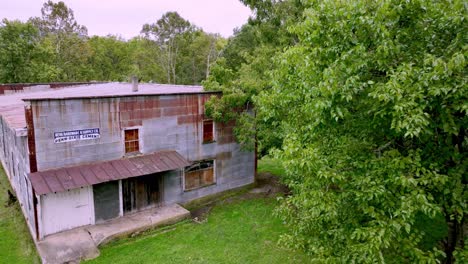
x=141 y=192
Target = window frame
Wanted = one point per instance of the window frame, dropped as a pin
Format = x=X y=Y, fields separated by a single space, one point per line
x=215 y=180
x=213 y=132
x=139 y=141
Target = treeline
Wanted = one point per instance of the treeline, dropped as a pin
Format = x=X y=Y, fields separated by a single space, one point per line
x=55 y=48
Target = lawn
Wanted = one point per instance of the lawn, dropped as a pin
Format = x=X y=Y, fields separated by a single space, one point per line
x=16 y=245
x=244 y=231
x=270 y=165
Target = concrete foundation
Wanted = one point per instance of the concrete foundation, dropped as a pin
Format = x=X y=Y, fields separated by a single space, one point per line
x=81 y=243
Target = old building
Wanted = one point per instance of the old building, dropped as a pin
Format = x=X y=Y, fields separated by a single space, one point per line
x=85 y=154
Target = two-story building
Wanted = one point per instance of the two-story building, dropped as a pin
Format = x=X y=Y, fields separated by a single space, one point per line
x=82 y=155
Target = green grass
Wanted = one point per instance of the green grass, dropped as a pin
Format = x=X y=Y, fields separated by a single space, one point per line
x=238 y=232
x=16 y=245
x=270 y=165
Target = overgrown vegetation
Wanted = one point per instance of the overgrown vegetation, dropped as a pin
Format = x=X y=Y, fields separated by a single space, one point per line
x=16 y=245
x=372 y=102
x=365 y=102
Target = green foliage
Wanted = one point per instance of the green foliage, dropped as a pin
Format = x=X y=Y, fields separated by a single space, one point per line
x=243 y=71
x=372 y=101
x=239 y=232
x=57 y=19
x=185 y=52
x=111 y=58
x=22 y=57
x=55 y=48
x=16 y=245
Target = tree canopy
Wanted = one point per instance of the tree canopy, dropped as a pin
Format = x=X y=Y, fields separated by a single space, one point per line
x=55 y=47
x=372 y=102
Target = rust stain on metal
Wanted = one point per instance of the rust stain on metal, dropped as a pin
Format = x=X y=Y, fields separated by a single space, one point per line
x=59 y=180
x=31 y=139
x=224 y=155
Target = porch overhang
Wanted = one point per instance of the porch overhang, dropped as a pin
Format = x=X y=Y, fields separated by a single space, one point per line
x=59 y=180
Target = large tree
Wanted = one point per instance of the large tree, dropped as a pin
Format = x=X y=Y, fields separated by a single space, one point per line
x=22 y=57
x=169 y=33
x=372 y=102
x=242 y=71
x=111 y=58
x=59 y=29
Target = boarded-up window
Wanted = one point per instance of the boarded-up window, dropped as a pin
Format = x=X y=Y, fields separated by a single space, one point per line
x=132 y=143
x=208 y=131
x=199 y=174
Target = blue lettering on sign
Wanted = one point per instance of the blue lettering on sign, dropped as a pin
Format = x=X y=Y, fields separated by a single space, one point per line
x=74 y=135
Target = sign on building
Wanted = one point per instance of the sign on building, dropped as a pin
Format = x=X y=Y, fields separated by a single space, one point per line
x=74 y=135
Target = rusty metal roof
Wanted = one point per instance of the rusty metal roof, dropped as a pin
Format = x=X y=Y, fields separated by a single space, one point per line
x=12 y=105
x=63 y=179
x=113 y=89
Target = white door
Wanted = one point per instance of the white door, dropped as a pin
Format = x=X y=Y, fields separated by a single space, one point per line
x=66 y=210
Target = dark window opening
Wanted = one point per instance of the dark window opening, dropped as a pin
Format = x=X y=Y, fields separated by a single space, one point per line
x=199 y=174
x=132 y=143
x=208 y=131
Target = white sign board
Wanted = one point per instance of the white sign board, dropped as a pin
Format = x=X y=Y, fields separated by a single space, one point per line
x=74 y=135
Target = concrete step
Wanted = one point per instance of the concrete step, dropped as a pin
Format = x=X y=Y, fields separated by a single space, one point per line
x=82 y=243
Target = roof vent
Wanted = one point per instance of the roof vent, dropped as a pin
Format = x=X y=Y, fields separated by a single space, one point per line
x=134 y=84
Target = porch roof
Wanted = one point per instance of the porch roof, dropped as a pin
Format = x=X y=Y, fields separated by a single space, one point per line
x=59 y=180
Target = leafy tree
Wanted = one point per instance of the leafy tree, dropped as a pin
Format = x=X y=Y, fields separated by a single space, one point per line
x=58 y=28
x=372 y=102
x=22 y=57
x=58 y=19
x=185 y=52
x=242 y=72
x=144 y=63
x=169 y=32
x=111 y=58
x=198 y=55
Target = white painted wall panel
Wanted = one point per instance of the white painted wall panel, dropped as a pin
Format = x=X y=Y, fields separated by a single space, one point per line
x=67 y=210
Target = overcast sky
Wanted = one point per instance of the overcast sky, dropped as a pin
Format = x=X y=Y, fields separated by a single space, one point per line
x=126 y=17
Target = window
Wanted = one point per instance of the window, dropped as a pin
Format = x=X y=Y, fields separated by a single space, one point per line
x=199 y=174
x=132 y=143
x=208 y=131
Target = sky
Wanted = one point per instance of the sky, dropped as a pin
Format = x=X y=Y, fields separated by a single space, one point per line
x=126 y=17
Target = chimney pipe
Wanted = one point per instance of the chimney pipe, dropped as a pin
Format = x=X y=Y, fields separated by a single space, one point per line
x=134 y=84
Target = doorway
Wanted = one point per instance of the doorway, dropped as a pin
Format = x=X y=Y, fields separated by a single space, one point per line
x=141 y=192
x=106 y=201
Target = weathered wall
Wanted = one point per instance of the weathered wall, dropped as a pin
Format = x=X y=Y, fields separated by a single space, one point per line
x=14 y=158
x=165 y=122
x=66 y=210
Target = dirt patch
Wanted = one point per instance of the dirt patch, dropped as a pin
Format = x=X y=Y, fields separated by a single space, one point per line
x=201 y=213
x=267 y=185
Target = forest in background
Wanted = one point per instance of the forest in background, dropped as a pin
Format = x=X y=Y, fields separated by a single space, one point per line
x=56 y=48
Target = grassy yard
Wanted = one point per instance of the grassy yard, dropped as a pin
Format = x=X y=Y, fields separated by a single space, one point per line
x=269 y=165
x=239 y=232
x=16 y=245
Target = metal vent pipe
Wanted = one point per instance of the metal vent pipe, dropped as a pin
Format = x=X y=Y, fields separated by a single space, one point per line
x=134 y=84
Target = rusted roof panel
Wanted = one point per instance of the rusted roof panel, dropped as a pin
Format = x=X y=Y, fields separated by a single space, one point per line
x=12 y=105
x=59 y=180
